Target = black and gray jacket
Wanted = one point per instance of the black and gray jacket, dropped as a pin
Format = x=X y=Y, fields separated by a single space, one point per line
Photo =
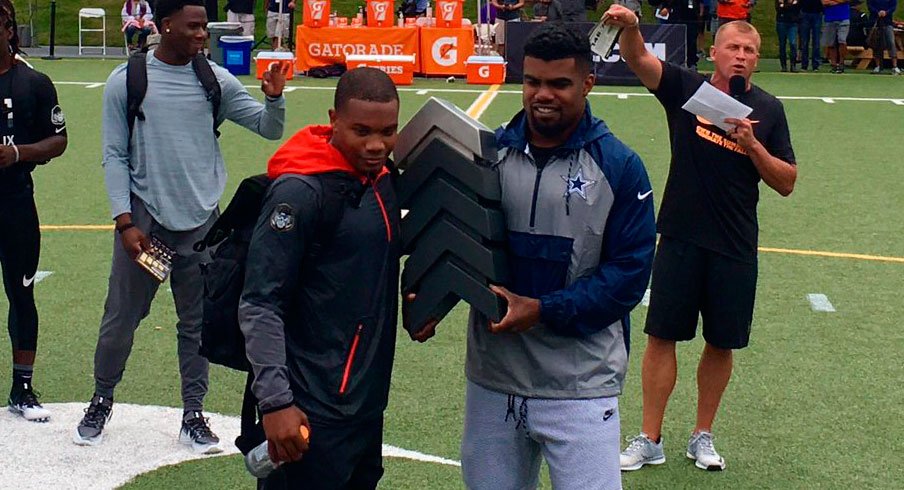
x=321 y=333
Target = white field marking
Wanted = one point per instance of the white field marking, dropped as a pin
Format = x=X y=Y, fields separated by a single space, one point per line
x=404 y=212
x=288 y=90
x=137 y=439
x=394 y=452
x=94 y=85
x=421 y=92
x=603 y=94
x=622 y=96
x=820 y=302
x=646 y=298
x=41 y=275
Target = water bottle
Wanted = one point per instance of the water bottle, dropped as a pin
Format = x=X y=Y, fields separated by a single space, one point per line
x=401 y=19
x=258 y=462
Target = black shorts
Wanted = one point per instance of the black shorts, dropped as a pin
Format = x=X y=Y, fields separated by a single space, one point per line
x=339 y=458
x=689 y=281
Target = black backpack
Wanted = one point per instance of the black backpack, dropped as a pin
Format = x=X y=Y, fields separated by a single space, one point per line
x=222 y=341
x=137 y=87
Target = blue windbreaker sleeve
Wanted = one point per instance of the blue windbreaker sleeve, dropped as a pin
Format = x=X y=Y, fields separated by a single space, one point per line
x=594 y=302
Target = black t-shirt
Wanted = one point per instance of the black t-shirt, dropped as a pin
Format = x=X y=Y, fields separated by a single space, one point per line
x=542 y=155
x=29 y=112
x=712 y=191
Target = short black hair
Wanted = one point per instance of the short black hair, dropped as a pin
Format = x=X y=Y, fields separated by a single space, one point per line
x=166 y=8
x=553 y=41
x=364 y=83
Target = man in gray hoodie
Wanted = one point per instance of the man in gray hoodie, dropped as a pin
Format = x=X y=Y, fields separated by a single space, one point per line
x=164 y=178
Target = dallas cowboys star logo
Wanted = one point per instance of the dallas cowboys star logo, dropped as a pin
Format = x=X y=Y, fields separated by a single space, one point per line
x=577 y=184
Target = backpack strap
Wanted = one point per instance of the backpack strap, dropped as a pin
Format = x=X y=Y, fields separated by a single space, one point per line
x=136 y=88
x=337 y=193
x=211 y=86
x=242 y=211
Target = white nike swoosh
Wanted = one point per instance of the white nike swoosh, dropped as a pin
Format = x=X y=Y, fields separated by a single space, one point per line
x=60 y=130
x=641 y=197
x=26 y=281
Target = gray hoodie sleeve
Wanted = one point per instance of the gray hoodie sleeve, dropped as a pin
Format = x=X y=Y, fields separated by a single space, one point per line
x=240 y=107
x=271 y=282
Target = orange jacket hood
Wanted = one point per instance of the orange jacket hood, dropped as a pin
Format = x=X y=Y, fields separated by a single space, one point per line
x=309 y=152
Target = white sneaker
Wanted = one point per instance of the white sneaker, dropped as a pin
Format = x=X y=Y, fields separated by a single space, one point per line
x=641 y=450
x=24 y=401
x=877 y=70
x=700 y=448
x=196 y=433
x=896 y=71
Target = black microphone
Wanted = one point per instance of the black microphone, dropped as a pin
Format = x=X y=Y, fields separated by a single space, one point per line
x=737 y=86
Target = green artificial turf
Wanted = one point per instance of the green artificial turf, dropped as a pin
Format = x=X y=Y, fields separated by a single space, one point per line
x=814 y=401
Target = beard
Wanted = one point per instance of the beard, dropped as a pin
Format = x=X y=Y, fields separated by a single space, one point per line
x=548 y=129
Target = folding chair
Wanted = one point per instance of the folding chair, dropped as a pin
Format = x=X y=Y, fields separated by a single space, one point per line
x=92 y=13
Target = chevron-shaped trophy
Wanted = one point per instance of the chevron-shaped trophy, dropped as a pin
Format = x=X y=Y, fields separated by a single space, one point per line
x=454 y=232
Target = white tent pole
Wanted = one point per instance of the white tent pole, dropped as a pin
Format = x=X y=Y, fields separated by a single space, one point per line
x=279 y=24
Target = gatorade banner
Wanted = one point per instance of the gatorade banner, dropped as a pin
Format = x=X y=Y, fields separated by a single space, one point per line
x=666 y=41
x=445 y=50
x=324 y=46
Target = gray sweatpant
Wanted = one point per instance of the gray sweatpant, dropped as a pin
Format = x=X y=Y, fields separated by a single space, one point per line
x=505 y=436
x=129 y=295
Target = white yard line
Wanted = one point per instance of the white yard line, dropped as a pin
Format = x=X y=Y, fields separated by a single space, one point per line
x=41 y=275
x=820 y=302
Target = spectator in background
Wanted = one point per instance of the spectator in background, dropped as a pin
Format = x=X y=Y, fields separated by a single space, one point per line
x=414 y=8
x=506 y=11
x=573 y=11
x=881 y=13
x=731 y=10
x=634 y=5
x=835 y=29
x=706 y=15
x=687 y=13
x=787 y=16
x=241 y=11
x=137 y=17
x=548 y=11
x=810 y=31
x=278 y=21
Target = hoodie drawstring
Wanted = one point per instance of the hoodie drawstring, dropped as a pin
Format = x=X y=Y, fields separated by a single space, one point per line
x=521 y=418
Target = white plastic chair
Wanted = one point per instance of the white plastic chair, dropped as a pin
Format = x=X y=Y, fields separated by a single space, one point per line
x=92 y=13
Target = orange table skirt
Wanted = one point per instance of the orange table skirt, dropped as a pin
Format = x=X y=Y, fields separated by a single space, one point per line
x=321 y=46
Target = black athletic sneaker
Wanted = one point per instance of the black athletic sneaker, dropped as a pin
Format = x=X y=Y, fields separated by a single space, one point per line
x=23 y=400
x=197 y=434
x=90 y=431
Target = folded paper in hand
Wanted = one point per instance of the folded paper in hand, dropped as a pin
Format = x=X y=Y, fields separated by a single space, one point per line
x=715 y=106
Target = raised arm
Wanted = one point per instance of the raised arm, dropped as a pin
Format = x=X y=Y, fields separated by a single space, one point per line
x=642 y=62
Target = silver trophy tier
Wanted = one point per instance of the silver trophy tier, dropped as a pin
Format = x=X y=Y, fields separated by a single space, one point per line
x=454 y=232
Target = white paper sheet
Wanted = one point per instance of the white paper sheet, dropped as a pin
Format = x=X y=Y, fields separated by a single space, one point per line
x=715 y=106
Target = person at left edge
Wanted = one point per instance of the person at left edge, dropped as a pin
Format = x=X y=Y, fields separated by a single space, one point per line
x=167 y=180
x=33 y=130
